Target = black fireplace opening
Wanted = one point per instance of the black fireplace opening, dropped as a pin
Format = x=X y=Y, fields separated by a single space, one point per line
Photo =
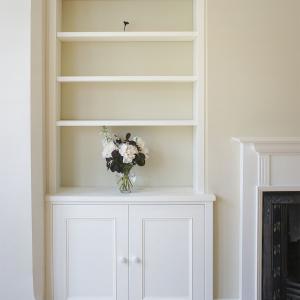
x=281 y=246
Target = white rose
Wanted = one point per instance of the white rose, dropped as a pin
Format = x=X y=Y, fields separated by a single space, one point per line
x=142 y=145
x=128 y=152
x=108 y=149
x=140 y=142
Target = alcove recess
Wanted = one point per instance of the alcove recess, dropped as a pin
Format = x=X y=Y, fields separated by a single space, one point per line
x=148 y=81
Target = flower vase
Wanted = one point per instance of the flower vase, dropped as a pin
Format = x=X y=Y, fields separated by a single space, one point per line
x=125 y=183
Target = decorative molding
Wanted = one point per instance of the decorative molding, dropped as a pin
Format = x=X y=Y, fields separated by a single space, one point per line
x=264 y=170
x=273 y=145
x=279 y=189
x=268 y=140
x=267 y=164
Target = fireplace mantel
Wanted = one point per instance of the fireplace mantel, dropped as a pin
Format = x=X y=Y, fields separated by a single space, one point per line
x=266 y=164
x=272 y=145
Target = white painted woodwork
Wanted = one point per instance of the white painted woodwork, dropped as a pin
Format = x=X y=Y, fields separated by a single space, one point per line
x=94 y=123
x=126 y=78
x=199 y=95
x=131 y=251
x=267 y=164
x=157 y=195
x=53 y=96
x=156 y=243
x=167 y=252
x=285 y=170
x=87 y=46
x=179 y=36
x=88 y=243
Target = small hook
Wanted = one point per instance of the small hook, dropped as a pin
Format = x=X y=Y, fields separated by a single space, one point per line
x=125 y=24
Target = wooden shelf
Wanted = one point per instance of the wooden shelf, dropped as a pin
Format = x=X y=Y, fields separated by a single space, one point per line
x=96 y=123
x=184 y=36
x=127 y=78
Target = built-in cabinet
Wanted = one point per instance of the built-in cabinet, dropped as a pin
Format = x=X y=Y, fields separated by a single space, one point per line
x=155 y=244
x=119 y=251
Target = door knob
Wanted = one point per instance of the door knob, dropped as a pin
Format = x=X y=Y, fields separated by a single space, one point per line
x=135 y=259
x=123 y=260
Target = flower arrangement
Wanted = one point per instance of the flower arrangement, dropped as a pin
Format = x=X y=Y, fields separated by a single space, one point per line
x=122 y=155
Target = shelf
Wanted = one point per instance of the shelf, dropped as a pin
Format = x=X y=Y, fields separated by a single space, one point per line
x=96 y=123
x=184 y=36
x=161 y=195
x=94 y=67
x=127 y=78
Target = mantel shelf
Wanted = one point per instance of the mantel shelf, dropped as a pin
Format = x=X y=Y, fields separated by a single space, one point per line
x=96 y=123
x=127 y=78
x=180 y=36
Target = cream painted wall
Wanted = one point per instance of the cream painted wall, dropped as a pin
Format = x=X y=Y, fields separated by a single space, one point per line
x=253 y=89
x=21 y=154
x=16 y=280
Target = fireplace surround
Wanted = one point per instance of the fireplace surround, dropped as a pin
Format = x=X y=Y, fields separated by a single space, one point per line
x=266 y=165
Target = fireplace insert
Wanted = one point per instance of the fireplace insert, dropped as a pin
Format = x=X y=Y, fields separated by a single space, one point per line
x=281 y=246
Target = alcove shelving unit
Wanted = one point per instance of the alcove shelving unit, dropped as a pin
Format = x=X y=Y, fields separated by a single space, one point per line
x=148 y=80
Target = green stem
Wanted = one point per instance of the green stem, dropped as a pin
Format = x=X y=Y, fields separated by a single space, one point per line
x=125 y=184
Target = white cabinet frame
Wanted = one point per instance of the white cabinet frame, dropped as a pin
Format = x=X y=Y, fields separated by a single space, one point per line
x=186 y=231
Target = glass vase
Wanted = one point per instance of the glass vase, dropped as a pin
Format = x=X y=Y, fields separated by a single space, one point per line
x=125 y=183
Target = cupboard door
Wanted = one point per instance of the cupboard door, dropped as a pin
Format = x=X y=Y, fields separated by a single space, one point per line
x=166 y=252
x=90 y=250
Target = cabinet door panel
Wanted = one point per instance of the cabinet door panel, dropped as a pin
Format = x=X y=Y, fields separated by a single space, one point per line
x=88 y=244
x=167 y=251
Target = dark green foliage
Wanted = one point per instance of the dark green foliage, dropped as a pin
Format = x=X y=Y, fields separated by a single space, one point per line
x=140 y=159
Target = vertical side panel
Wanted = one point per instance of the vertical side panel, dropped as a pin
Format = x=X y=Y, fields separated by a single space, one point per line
x=49 y=251
x=199 y=95
x=209 y=251
x=248 y=241
x=53 y=95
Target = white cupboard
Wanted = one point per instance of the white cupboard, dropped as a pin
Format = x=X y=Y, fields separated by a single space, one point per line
x=132 y=251
x=88 y=243
x=166 y=246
